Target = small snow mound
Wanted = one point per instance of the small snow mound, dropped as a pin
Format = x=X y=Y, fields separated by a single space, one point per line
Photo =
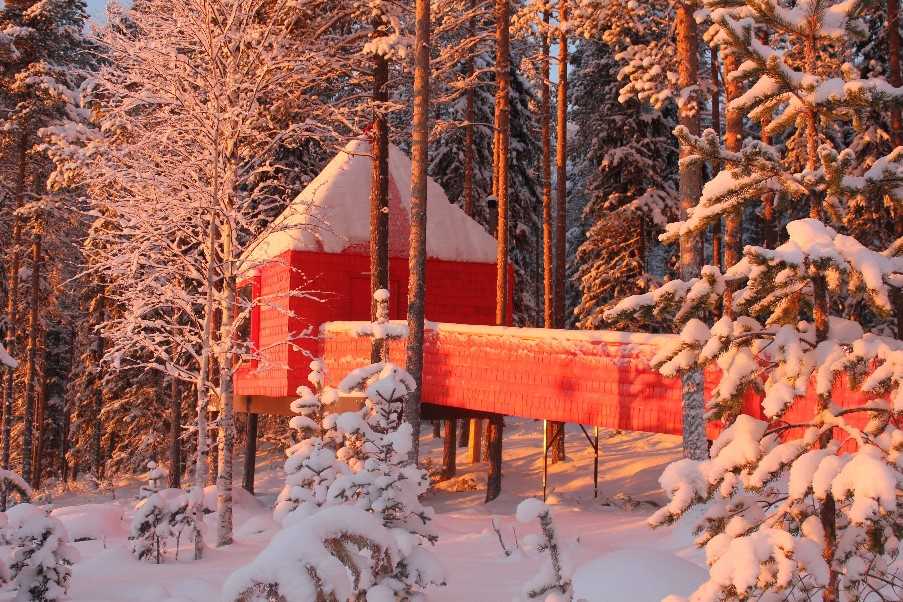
x=625 y=575
x=257 y=524
x=530 y=509
x=240 y=499
x=91 y=521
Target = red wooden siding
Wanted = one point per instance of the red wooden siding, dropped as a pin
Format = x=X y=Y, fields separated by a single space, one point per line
x=338 y=286
x=565 y=377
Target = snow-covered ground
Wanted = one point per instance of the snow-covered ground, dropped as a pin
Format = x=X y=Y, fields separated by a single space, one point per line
x=617 y=555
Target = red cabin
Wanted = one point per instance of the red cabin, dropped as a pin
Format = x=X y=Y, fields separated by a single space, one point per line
x=313 y=267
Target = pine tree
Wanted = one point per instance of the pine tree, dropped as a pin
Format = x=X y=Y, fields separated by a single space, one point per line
x=799 y=498
x=627 y=167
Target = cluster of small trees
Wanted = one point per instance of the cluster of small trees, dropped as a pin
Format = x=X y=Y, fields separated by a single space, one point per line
x=351 y=482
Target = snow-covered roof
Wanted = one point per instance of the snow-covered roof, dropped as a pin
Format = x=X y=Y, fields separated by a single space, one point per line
x=332 y=214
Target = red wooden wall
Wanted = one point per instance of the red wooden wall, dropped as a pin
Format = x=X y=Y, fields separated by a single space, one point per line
x=337 y=287
x=600 y=378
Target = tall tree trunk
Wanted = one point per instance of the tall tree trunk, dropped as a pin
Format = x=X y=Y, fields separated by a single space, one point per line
x=893 y=64
x=469 y=116
x=733 y=140
x=250 y=452
x=831 y=592
x=379 y=195
x=694 y=440
x=769 y=225
x=556 y=429
x=450 y=449
x=175 y=434
x=97 y=385
x=464 y=433
x=203 y=396
x=40 y=421
x=502 y=116
x=417 y=253
x=12 y=310
x=227 y=393
x=716 y=125
x=546 y=127
x=31 y=357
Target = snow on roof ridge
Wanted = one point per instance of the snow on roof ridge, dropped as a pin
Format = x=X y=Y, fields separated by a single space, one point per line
x=332 y=213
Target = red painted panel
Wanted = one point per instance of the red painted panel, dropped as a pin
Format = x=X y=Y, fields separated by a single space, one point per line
x=336 y=287
x=608 y=385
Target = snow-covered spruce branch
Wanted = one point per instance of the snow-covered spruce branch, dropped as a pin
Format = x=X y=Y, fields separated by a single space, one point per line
x=553 y=581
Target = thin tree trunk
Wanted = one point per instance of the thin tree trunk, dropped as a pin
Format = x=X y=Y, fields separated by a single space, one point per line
x=379 y=196
x=227 y=415
x=175 y=434
x=475 y=443
x=546 y=126
x=502 y=116
x=494 y=482
x=469 y=116
x=97 y=382
x=893 y=63
x=40 y=421
x=561 y=135
x=464 y=433
x=733 y=140
x=250 y=452
x=450 y=449
x=31 y=358
x=831 y=592
x=769 y=226
x=417 y=253
x=556 y=429
x=716 y=167
x=12 y=311
x=201 y=462
x=694 y=440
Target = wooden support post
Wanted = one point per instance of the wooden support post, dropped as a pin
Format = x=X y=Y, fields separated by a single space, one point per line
x=475 y=443
x=250 y=452
x=494 y=473
x=450 y=449
x=464 y=433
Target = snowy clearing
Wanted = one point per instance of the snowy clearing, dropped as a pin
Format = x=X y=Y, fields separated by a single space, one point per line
x=610 y=533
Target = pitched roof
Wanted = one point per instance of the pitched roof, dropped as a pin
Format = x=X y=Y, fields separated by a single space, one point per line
x=332 y=214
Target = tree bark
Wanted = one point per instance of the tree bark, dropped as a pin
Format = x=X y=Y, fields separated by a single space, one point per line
x=450 y=449
x=494 y=482
x=202 y=390
x=31 y=358
x=474 y=444
x=561 y=136
x=733 y=141
x=417 y=253
x=379 y=196
x=250 y=452
x=464 y=432
x=226 y=415
x=546 y=127
x=502 y=116
x=893 y=63
x=97 y=382
x=695 y=444
x=37 y=454
x=769 y=226
x=175 y=434
x=716 y=167
x=12 y=309
x=469 y=116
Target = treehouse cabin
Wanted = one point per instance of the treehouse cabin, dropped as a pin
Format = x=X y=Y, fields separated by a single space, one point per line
x=313 y=266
